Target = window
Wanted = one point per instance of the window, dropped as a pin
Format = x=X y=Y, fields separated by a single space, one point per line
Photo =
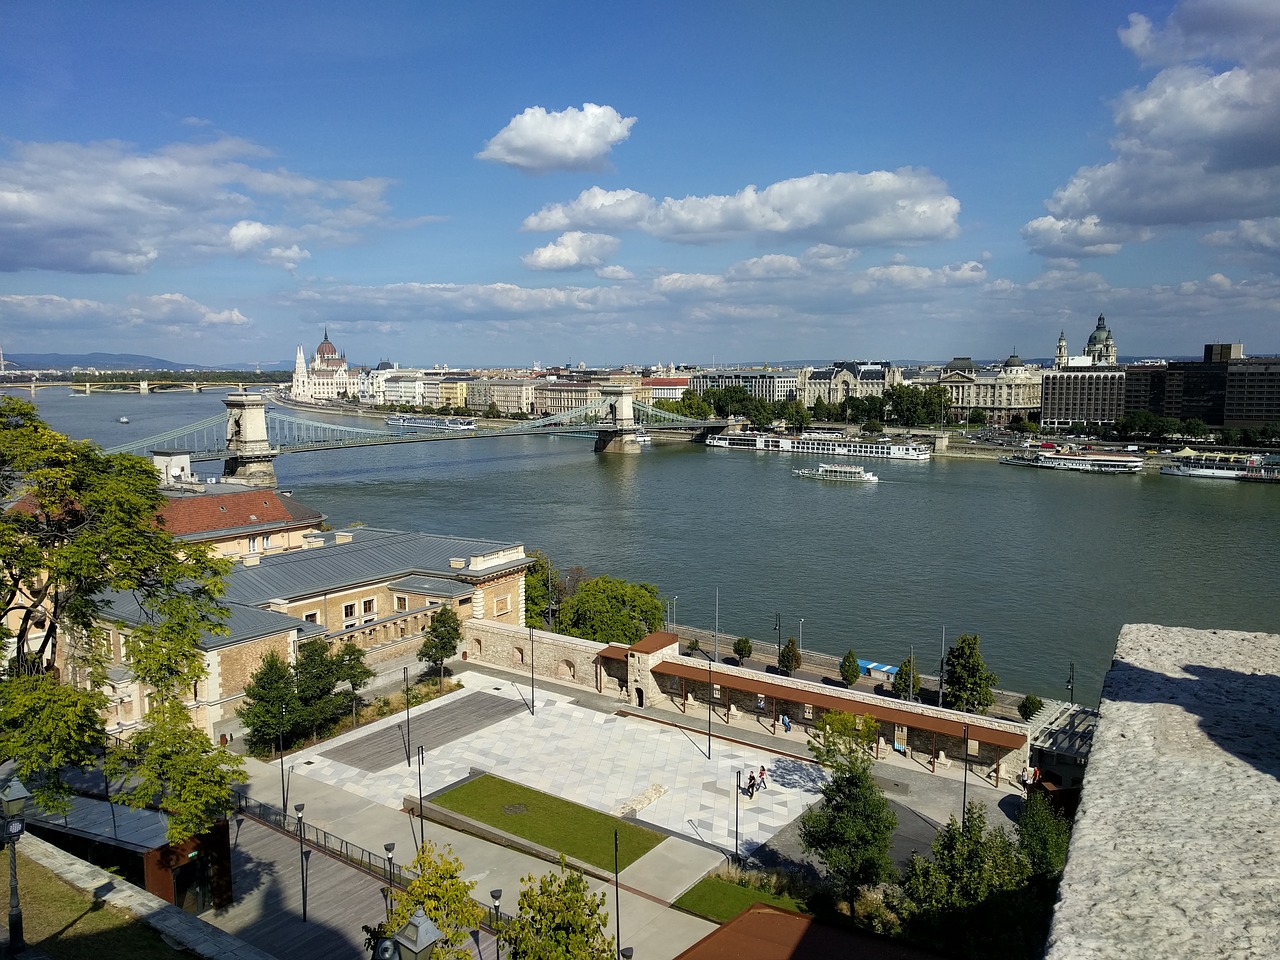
x=501 y=605
x=808 y=711
x=348 y=611
x=266 y=541
x=253 y=544
x=402 y=604
x=368 y=606
x=715 y=691
x=311 y=617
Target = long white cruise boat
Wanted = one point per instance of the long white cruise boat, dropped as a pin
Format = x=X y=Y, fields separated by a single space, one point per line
x=824 y=444
x=1212 y=466
x=844 y=472
x=1081 y=461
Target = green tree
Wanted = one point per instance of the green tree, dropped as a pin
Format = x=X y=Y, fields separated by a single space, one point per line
x=557 y=918
x=609 y=610
x=789 y=657
x=1043 y=836
x=977 y=417
x=445 y=897
x=840 y=740
x=270 y=710
x=742 y=649
x=905 y=404
x=906 y=682
x=315 y=675
x=442 y=639
x=850 y=669
x=872 y=427
x=492 y=412
x=692 y=405
x=352 y=669
x=542 y=592
x=794 y=413
x=81 y=546
x=851 y=830
x=969 y=682
x=1029 y=706
x=1195 y=427
x=821 y=410
x=935 y=401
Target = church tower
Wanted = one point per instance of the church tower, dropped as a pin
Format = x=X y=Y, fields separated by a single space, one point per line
x=1060 y=358
x=299 y=388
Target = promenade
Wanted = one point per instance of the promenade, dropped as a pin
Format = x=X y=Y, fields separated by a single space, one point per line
x=584 y=747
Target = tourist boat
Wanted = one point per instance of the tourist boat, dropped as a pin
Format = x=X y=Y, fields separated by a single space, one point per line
x=823 y=444
x=844 y=472
x=123 y=420
x=1081 y=461
x=642 y=436
x=1219 y=466
x=431 y=423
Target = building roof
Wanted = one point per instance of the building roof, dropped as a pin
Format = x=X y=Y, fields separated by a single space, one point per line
x=762 y=932
x=201 y=516
x=244 y=621
x=1174 y=850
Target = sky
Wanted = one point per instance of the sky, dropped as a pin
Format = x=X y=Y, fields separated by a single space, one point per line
x=500 y=184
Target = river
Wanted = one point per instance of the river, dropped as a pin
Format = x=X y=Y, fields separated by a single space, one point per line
x=1046 y=566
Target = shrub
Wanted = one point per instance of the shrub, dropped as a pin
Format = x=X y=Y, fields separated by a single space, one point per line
x=1029 y=707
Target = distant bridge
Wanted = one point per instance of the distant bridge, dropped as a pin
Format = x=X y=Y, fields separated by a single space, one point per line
x=249 y=437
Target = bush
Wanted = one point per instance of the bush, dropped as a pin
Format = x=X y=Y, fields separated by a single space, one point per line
x=1029 y=707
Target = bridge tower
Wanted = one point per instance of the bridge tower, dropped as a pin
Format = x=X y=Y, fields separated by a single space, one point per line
x=250 y=459
x=617 y=431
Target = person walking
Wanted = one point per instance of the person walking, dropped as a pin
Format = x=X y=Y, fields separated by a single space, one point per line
x=762 y=783
x=751 y=785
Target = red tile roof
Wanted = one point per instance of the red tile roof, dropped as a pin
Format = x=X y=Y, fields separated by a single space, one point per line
x=206 y=513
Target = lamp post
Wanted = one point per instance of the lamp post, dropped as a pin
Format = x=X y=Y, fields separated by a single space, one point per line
x=777 y=630
x=422 y=818
x=737 y=843
x=964 y=796
x=496 y=896
x=617 y=902
x=13 y=797
x=417 y=939
x=533 y=705
x=408 y=737
x=800 y=637
x=302 y=858
x=390 y=849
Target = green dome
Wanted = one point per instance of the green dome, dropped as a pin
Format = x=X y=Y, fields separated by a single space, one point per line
x=1100 y=333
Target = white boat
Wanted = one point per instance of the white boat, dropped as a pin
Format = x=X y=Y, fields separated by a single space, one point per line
x=844 y=472
x=823 y=444
x=430 y=423
x=1213 y=466
x=1081 y=461
x=642 y=436
x=123 y=420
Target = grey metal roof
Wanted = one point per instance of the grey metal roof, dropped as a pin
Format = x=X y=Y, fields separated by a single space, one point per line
x=432 y=586
x=372 y=555
x=244 y=621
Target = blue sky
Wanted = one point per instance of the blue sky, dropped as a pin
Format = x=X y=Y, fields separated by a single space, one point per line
x=502 y=184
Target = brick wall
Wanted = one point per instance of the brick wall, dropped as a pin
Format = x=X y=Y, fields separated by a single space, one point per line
x=556 y=657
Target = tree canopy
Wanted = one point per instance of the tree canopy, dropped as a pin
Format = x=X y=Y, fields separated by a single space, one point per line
x=445 y=897
x=789 y=658
x=542 y=592
x=850 y=669
x=969 y=682
x=851 y=829
x=609 y=610
x=557 y=918
x=82 y=547
x=742 y=649
x=442 y=639
x=906 y=682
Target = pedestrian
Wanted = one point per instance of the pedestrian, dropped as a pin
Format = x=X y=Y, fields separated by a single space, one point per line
x=763 y=783
x=751 y=786
x=786 y=723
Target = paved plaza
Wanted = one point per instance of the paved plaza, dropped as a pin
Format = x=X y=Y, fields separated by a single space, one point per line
x=600 y=760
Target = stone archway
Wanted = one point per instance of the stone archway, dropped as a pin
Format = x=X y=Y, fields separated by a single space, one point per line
x=565 y=670
x=517 y=656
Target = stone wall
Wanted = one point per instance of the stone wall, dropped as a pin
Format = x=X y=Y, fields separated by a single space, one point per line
x=556 y=657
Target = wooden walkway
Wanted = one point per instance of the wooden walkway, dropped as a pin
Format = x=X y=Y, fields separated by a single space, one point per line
x=267 y=911
x=445 y=724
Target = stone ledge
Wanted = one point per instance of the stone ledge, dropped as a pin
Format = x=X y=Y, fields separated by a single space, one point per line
x=189 y=932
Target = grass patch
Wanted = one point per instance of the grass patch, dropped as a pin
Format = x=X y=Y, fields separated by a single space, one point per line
x=66 y=923
x=721 y=900
x=565 y=827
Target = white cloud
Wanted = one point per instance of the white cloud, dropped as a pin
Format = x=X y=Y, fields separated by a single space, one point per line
x=137 y=323
x=109 y=207
x=1196 y=146
x=574 y=250
x=614 y=272
x=1250 y=236
x=538 y=140
x=838 y=209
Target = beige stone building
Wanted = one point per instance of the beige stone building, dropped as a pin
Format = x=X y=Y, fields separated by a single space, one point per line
x=509 y=394
x=845 y=379
x=1011 y=389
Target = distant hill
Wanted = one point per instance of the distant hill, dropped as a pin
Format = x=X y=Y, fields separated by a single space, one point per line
x=121 y=361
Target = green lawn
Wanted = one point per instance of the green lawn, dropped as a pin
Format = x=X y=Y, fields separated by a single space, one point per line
x=576 y=831
x=721 y=901
x=68 y=924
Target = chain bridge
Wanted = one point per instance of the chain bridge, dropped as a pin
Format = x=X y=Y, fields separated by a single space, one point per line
x=249 y=437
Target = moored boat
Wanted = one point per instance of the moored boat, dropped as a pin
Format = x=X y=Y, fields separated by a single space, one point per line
x=1080 y=461
x=1214 y=466
x=431 y=423
x=823 y=444
x=844 y=472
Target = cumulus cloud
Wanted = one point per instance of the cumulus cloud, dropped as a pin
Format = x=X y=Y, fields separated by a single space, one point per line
x=1250 y=236
x=839 y=209
x=1196 y=146
x=574 y=250
x=538 y=140
x=110 y=207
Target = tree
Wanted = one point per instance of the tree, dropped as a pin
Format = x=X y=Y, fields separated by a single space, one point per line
x=850 y=669
x=742 y=649
x=315 y=675
x=1029 y=706
x=82 y=545
x=441 y=641
x=840 y=740
x=906 y=682
x=557 y=918
x=873 y=426
x=977 y=417
x=609 y=610
x=905 y=404
x=492 y=412
x=1043 y=836
x=794 y=412
x=270 y=709
x=542 y=592
x=789 y=657
x=969 y=682
x=443 y=896
x=851 y=830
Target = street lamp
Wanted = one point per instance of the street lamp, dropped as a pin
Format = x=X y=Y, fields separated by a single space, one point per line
x=390 y=849
x=13 y=797
x=496 y=896
x=800 y=638
x=418 y=937
x=302 y=858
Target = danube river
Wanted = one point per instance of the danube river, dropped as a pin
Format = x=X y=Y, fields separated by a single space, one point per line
x=1045 y=566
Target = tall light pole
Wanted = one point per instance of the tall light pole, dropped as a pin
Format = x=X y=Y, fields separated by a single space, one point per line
x=302 y=858
x=408 y=737
x=716 y=655
x=422 y=817
x=13 y=797
x=533 y=704
x=777 y=630
x=800 y=637
x=737 y=843
x=617 y=902
x=390 y=849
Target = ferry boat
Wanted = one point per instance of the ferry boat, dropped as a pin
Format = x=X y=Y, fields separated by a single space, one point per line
x=1214 y=466
x=1081 y=461
x=844 y=472
x=123 y=420
x=431 y=423
x=642 y=436
x=823 y=444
